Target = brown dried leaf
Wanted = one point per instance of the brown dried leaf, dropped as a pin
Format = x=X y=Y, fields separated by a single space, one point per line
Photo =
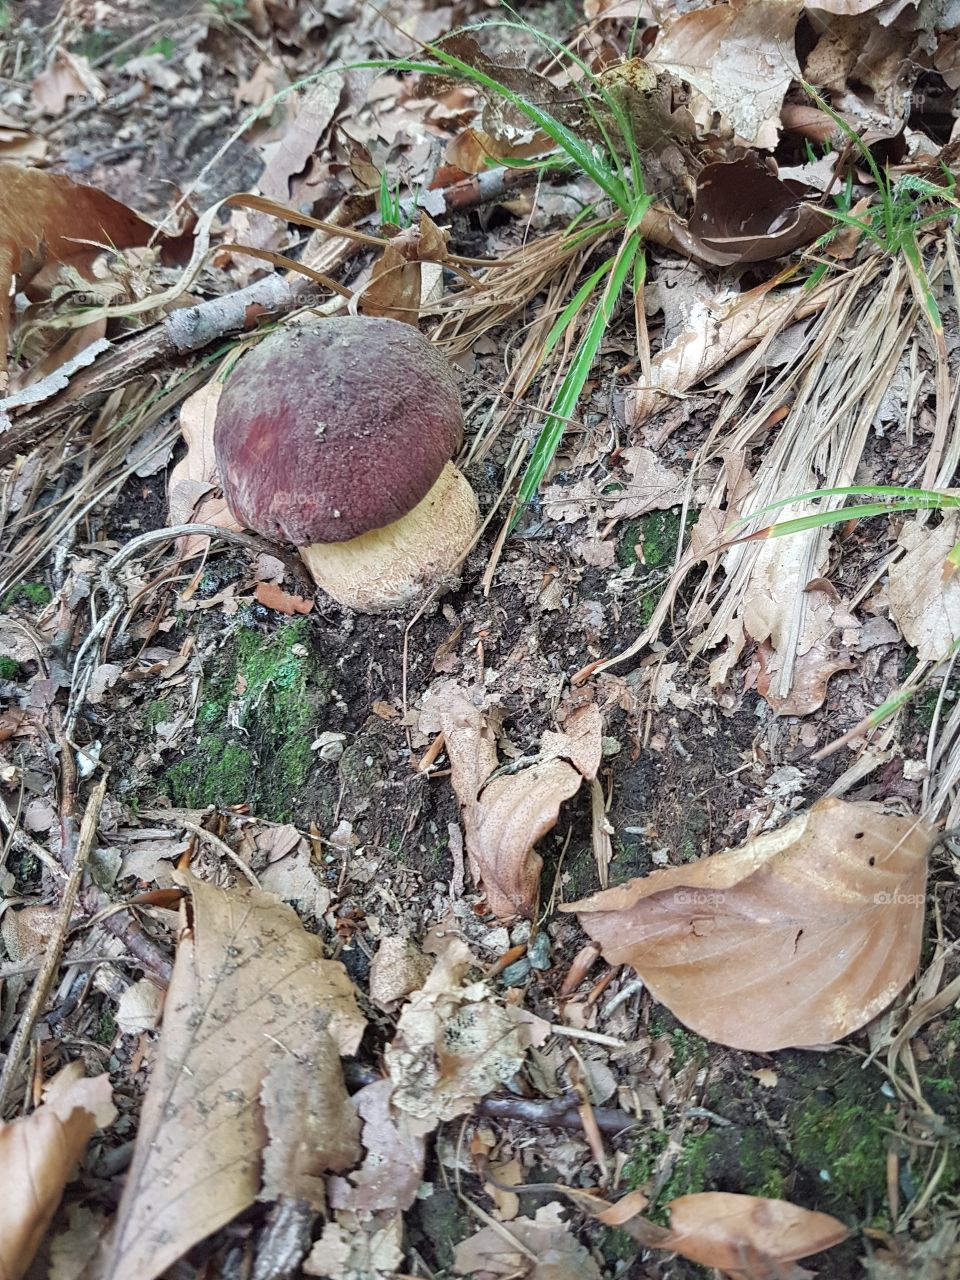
x=312 y=1125
x=272 y=596
x=44 y=216
x=454 y=1044
x=649 y=486
x=545 y=1249
x=505 y=818
x=749 y=1237
x=742 y=212
x=739 y=56
x=797 y=938
x=67 y=76
x=248 y=978
x=190 y=497
x=38 y=1153
x=924 y=602
x=392 y=1171
x=289 y=156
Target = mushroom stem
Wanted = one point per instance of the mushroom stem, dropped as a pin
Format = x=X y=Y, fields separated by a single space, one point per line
x=389 y=567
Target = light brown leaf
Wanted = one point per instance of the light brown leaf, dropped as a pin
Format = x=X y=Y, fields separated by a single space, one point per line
x=38 y=1153
x=797 y=938
x=739 y=56
x=272 y=596
x=312 y=1125
x=504 y=818
x=247 y=979
x=316 y=109
x=924 y=603
x=67 y=76
x=749 y=1237
x=392 y=1171
x=190 y=497
x=454 y=1044
x=544 y=1249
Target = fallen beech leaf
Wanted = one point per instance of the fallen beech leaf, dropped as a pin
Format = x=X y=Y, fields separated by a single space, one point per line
x=749 y=1237
x=190 y=497
x=272 y=596
x=742 y=212
x=46 y=216
x=38 y=1153
x=504 y=818
x=249 y=983
x=739 y=56
x=924 y=603
x=67 y=76
x=545 y=1250
x=797 y=938
x=396 y=283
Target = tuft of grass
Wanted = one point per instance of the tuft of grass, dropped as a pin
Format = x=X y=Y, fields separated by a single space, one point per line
x=606 y=151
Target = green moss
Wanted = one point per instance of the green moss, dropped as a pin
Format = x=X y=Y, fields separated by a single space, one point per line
x=9 y=667
x=156 y=710
x=256 y=724
x=840 y=1137
x=106 y=1031
x=32 y=593
x=651 y=540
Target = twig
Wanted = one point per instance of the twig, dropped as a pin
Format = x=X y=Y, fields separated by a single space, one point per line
x=51 y=960
x=222 y=847
x=24 y=843
x=560 y=1113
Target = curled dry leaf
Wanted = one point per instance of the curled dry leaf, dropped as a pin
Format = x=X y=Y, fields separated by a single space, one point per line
x=504 y=818
x=749 y=1237
x=46 y=217
x=391 y=1173
x=797 y=938
x=190 y=489
x=398 y=285
x=248 y=978
x=38 y=1154
x=742 y=212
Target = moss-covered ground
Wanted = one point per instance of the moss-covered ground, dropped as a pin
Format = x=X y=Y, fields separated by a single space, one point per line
x=255 y=727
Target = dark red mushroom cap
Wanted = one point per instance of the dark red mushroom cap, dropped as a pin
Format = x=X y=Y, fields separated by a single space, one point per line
x=329 y=429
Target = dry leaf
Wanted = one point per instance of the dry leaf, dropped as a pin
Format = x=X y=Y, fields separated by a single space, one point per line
x=312 y=1125
x=38 y=1153
x=397 y=969
x=742 y=212
x=454 y=1044
x=504 y=818
x=748 y=1237
x=189 y=490
x=291 y=154
x=67 y=76
x=797 y=938
x=392 y=1171
x=924 y=603
x=45 y=216
x=648 y=486
x=397 y=281
x=139 y=1008
x=272 y=596
x=358 y=1248
x=544 y=1249
x=740 y=56
x=247 y=979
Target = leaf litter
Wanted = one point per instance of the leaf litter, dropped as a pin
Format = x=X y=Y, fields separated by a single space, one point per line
x=781 y=372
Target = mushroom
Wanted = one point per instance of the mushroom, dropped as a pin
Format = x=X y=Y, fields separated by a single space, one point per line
x=337 y=435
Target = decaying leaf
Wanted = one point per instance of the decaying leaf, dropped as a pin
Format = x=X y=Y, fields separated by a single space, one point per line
x=924 y=601
x=537 y=1248
x=47 y=217
x=358 y=1247
x=249 y=983
x=749 y=1237
x=505 y=817
x=739 y=56
x=392 y=1170
x=454 y=1043
x=797 y=938
x=400 y=284
x=38 y=1154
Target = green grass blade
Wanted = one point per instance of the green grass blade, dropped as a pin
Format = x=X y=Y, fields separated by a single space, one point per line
x=575 y=306
x=573 y=383
x=821 y=519
x=922 y=499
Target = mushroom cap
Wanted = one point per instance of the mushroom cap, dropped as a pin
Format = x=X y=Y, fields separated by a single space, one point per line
x=329 y=429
